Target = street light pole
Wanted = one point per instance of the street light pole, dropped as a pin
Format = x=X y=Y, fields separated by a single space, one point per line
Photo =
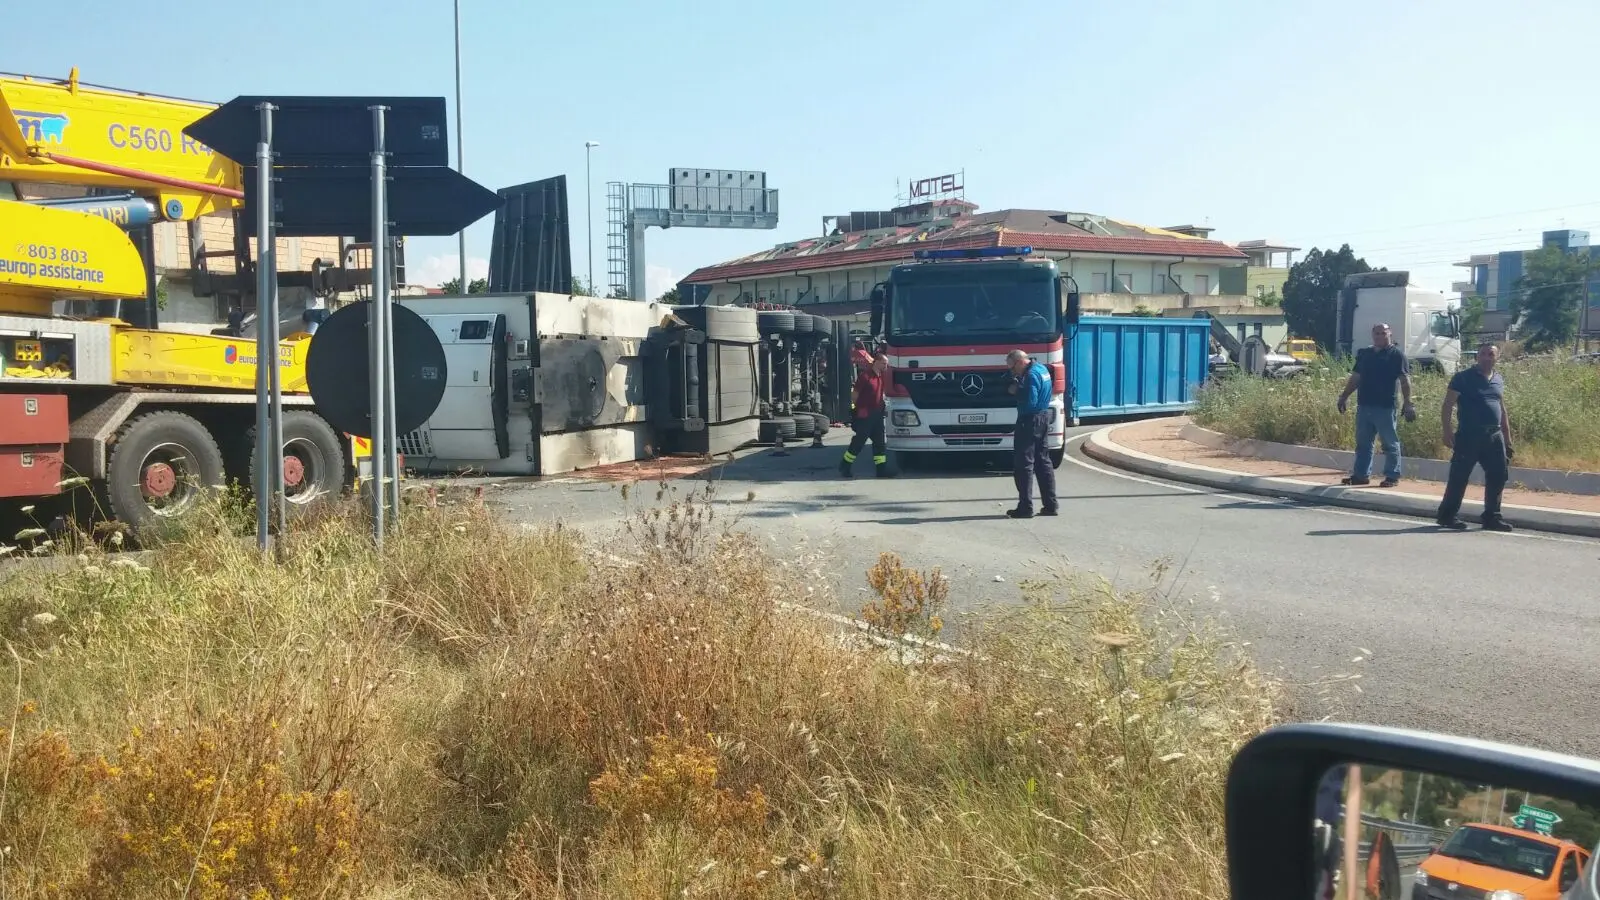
x=460 y=163
x=588 y=206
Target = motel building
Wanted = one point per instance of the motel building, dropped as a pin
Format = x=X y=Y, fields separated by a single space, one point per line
x=1120 y=268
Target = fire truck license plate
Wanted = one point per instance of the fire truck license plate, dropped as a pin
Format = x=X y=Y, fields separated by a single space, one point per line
x=972 y=418
x=28 y=351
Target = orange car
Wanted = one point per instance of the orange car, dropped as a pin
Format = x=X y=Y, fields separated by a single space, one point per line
x=1488 y=862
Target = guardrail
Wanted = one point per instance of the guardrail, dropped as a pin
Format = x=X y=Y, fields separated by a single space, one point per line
x=1405 y=854
x=1410 y=828
x=1422 y=839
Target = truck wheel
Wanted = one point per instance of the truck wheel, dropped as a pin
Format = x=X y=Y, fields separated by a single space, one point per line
x=775 y=322
x=313 y=460
x=161 y=465
x=1057 y=457
x=804 y=425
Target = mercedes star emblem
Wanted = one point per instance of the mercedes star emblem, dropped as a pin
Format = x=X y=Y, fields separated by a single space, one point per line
x=972 y=385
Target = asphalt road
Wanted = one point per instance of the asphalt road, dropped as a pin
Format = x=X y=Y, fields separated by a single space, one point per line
x=1474 y=633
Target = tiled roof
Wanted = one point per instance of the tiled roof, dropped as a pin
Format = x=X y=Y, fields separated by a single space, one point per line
x=1041 y=229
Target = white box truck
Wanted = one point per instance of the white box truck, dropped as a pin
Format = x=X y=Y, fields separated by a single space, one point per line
x=1423 y=323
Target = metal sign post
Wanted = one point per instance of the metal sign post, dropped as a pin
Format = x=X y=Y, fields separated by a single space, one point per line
x=377 y=329
x=365 y=167
x=268 y=477
x=381 y=275
x=380 y=237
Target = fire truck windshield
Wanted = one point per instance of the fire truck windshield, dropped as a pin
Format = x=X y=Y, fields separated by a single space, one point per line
x=957 y=303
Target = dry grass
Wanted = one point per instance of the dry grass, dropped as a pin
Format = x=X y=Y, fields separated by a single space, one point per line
x=1552 y=403
x=485 y=711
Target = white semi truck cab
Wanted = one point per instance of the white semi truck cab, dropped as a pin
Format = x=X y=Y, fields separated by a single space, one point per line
x=1423 y=323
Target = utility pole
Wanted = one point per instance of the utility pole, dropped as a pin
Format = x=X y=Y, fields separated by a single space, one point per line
x=588 y=205
x=460 y=147
x=1583 y=306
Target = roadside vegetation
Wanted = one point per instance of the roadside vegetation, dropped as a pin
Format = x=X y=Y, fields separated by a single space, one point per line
x=1552 y=402
x=483 y=710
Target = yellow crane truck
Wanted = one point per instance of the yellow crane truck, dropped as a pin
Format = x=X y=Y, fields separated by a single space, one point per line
x=150 y=417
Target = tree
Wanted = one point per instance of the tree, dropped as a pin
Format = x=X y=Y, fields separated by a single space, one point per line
x=1472 y=309
x=670 y=297
x=475 y=286
x=1311 y=295
x=581 y=288
x=1549 y=296
x=1144 y=311
x=1269 y=298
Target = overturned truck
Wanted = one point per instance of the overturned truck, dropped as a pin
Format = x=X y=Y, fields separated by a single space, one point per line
x=542 y=384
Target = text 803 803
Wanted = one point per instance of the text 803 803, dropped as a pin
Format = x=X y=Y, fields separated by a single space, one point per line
x=58 y=254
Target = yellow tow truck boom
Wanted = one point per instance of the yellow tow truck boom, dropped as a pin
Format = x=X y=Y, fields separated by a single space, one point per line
x=65 y=132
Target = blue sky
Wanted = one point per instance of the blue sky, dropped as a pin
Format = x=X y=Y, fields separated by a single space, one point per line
x=1418 y=130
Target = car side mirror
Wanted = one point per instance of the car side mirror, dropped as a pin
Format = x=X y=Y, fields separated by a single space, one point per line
x=1071 y=304
x=1305 y=805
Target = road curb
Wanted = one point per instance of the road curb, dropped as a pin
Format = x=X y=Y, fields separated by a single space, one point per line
x=1100 y=446
x=1583 y=483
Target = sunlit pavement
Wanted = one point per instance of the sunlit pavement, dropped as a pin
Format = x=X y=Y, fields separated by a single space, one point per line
x=1474 y=633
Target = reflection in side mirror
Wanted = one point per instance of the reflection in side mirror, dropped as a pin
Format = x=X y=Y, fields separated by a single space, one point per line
x=1396 y=834
x=1364 y=813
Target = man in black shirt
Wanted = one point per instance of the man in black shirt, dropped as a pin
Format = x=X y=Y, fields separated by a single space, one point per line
x=1483 y=439
x=1377 y=370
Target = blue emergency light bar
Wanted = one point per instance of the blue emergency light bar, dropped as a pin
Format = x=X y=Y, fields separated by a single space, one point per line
x=973 y=253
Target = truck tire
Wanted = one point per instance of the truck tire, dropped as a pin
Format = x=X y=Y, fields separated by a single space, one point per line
x=767 y=432
x=804 y=425
x=734 y=324
x=786 y=427
x=313 y=460
x=824 y=424
x=1057 y=457
x=161 y=465
x=776 y=322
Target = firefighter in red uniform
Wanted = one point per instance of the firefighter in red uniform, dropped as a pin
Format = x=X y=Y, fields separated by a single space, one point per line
x=868 y=419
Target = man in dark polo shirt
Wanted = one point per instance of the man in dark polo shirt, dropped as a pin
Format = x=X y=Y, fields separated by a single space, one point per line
x=1482 y=439
x=1378 y=369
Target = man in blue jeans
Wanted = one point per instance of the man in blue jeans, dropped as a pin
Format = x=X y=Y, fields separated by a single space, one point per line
x=1377 y=370
x=1031 y=384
